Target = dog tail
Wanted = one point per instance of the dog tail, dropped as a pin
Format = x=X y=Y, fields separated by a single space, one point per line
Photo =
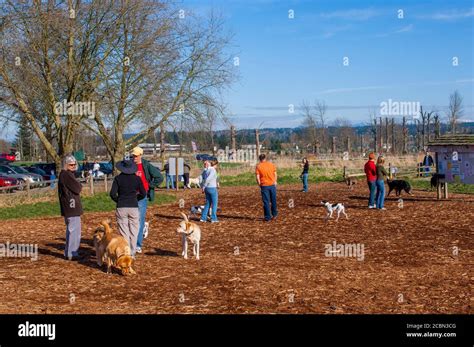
x=106 y=224
x=185 y=217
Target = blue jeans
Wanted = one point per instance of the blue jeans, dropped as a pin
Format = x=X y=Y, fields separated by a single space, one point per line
x=380 y=198
x=170 y=179
x=211 y=200
x=269 y=198
x=142 y=206
x=372 y=192
x=305 y=182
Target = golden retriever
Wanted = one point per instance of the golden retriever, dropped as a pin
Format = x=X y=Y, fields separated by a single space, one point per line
x=112 y=249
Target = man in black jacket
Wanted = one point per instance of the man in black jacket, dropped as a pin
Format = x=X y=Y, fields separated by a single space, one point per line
x=69 y=190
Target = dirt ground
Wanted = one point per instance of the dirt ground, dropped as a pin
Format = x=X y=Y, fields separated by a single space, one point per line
x=248 y=266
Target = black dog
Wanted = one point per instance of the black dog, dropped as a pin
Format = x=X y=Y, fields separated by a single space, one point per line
x=435 y=180
x=398 y=185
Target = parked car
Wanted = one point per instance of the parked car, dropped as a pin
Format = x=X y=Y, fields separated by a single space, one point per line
x=105 y=168
x=21 y=175
x=51 y=167
x=46 y=167
x=202 y=157
x=3 y=161
x=7 y=182
x=38 y=171
x=9 y=157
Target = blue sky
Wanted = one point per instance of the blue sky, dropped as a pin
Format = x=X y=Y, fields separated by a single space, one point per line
x=284 y=61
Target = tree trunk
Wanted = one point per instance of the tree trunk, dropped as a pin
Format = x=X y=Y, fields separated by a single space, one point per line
x=162 y=145
x=257 y=141
x=404 y=136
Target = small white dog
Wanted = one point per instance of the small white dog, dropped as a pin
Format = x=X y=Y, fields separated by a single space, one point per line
x=339 y=208
x=195 y=181
x=196 y=210
x=189 y=231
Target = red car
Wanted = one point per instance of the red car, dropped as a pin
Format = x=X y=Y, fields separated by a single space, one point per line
x=9 y=157
x=7 y=182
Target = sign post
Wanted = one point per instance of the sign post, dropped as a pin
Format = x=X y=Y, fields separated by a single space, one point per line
x=176 y=168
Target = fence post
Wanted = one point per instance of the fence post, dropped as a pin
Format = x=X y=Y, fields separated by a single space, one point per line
x=390 y=170
x=92 y=184
x=344 y=172
x=105 y=182
x=28 y=193
x=446 y=190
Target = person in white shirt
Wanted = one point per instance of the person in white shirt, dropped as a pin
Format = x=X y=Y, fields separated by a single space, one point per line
x=209 y=187
x=96 y=169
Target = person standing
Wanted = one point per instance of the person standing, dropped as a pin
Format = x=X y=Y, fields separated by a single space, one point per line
x=96 y=169
x=371 y=174
x=428 y=162
x=305 y=175
x=127 y=190
x=380 y=183
x=69 y=190
x=266 y=175
x=151 y=179
x=209 y=188
x=187 y=170
x=169 y=178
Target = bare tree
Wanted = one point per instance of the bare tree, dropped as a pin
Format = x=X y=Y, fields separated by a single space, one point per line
x=48 y=52
x=310 y=122
x=137 y=61
x=321 y=109
x=455 y=110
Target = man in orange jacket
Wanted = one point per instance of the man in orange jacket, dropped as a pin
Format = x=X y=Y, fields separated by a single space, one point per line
x=267 y=180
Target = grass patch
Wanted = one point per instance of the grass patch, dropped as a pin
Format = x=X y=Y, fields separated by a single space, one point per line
x=285 y=176
x=457 y=188
x=98 y=203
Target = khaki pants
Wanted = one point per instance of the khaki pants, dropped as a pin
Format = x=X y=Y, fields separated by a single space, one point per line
x=128 y=220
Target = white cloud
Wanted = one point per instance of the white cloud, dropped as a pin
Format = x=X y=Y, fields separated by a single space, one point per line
x=451 y=15
x=405 y=29
x=354 y=14
x=348 y=90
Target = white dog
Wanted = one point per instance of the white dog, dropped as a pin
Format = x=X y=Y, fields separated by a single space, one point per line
x=339 y=208
x=189 y=231
x=196 y=181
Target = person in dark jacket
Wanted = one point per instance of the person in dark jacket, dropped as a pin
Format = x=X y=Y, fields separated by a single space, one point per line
x=127 y=190
x=305 y=174
x=187 y=170
x=151 y=179
x=380 y=183
x=69 y=190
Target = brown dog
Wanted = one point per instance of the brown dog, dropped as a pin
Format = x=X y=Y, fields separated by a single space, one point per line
x=112 y=249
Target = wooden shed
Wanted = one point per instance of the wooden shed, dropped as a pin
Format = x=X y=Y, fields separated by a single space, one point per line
x=454 y=159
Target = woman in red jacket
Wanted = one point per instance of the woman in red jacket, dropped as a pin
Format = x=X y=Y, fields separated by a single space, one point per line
x=371 y=173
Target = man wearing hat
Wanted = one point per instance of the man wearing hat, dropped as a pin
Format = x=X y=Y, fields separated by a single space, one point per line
x=151 y=178
x=69 y=191
x=127 y=190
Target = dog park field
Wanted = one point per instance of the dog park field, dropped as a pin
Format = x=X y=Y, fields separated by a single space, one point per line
x=415 y=257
